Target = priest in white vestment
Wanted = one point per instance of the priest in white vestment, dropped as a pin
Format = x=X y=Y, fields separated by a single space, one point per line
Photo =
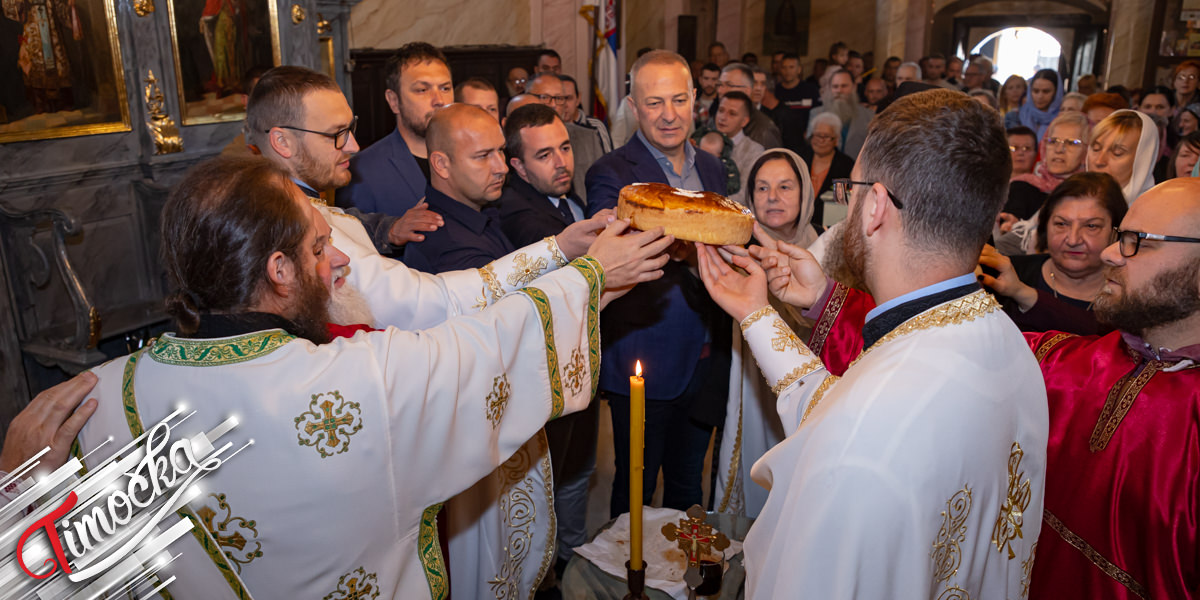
x=355 y=442
x=920 y=472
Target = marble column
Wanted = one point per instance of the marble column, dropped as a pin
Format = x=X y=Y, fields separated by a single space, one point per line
x=1128 y=42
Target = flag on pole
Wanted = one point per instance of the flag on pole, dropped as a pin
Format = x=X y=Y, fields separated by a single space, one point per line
x=606 y=74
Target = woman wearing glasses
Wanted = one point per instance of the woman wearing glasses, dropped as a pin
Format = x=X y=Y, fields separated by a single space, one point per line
x=1062 y=152
x=1054 y=289
x=1184 y=80
x=781 y=195
x=826 y=161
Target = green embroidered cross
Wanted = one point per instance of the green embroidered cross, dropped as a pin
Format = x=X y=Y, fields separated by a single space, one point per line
x=330 y=424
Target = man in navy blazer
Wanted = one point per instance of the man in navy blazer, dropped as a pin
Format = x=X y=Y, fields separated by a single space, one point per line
x=671 y=325
x=390 y=176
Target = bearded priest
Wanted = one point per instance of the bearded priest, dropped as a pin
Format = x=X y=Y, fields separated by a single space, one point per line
x=907 y=477
x=357 y=441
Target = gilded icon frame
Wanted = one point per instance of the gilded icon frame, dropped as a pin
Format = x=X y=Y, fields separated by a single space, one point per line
x=223 y=105
x=92 y=53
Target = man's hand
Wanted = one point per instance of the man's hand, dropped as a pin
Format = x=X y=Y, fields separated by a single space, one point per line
x=737 y=294
x=629 y=259
x=1006 y=282
x=575 y=240
x=50 y=419
x=415 y=220
x=793 y=274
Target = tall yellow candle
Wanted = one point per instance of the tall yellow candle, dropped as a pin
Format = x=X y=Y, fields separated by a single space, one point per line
x=637 y=445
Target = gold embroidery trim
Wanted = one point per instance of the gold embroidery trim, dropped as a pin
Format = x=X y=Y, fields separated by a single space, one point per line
x=968 y=308
x=754 y=317
x=525 y=270
x=947 y=554
x=1120 y=400
x=954 y=593
x=1011 y=518
x=785 y=338
x=430 y=552
x=328 y=426
x=1049 y=345
x=497 y=400
x=355 y=585
x=548 y=493
x=488 y=274
x=735 y=461
x=829 y=316
x=1027 y=570
x=556 y=253
x=1118 y=574
x=818 y=395
x=186 y=352
x=795 y=375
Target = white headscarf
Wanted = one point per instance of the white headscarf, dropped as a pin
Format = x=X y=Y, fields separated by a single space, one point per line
x=805 y=234
x=1142 y=178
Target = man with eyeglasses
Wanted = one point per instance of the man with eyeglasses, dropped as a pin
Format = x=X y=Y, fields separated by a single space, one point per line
x=300 y=120
x=390 y=176
x=587 y=143
x=736 y=77
x=915 y=473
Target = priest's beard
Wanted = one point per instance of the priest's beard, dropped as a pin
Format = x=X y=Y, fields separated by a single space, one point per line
x=349 y=307
x=844 y=108
x=1170 y=297
x=844 y=258
x=312 y=310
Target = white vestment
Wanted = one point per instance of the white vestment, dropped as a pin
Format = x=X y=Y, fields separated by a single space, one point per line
x=501 y=531
x=358 y=442
x=918 y=474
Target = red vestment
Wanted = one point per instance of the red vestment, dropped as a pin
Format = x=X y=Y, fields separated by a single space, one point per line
x=1122 y=502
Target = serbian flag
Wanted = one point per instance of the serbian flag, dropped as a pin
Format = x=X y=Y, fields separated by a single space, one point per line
x=607 y=80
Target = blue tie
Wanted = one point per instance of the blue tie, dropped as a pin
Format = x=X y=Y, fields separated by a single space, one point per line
x=565 y=208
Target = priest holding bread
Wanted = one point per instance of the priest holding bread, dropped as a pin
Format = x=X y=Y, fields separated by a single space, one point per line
x=920 y=472
x=682 y=338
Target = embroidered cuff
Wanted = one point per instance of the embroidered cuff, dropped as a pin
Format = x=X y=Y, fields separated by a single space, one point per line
x=590 y=268
x=560 y=259
x=753 y=317
x=488 y=274
x=781 y=356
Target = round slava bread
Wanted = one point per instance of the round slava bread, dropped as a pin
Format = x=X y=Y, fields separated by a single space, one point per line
x=694 y=216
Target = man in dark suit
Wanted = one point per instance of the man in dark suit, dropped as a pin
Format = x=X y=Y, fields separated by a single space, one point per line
x=390 y=176
x=671 y=325
x=538 y=201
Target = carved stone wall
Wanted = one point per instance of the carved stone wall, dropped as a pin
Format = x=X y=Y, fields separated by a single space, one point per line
x=79 y=215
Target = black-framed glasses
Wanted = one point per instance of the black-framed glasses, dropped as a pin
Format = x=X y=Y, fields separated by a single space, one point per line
x=1131 y=241
x=549 y=98
x=339 y=137
x=842 y=187
x=1064 y=142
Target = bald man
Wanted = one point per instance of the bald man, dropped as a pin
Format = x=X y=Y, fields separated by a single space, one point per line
x=466 y=174
x=1121 y=512
x=1122 y=504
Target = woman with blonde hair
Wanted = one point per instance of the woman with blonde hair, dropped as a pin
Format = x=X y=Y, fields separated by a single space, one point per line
x=1125 y=145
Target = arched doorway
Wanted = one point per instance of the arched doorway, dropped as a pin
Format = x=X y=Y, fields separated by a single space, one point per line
x=1020 y=51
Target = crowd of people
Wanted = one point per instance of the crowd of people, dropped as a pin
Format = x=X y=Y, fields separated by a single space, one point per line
x=860 y=410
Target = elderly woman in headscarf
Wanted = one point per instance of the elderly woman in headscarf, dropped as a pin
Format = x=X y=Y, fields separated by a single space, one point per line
x=1041 y=105
x=780 y=194
x=1124 y=145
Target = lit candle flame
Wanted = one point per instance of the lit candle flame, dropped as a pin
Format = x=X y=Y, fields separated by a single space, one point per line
x=637 y=369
